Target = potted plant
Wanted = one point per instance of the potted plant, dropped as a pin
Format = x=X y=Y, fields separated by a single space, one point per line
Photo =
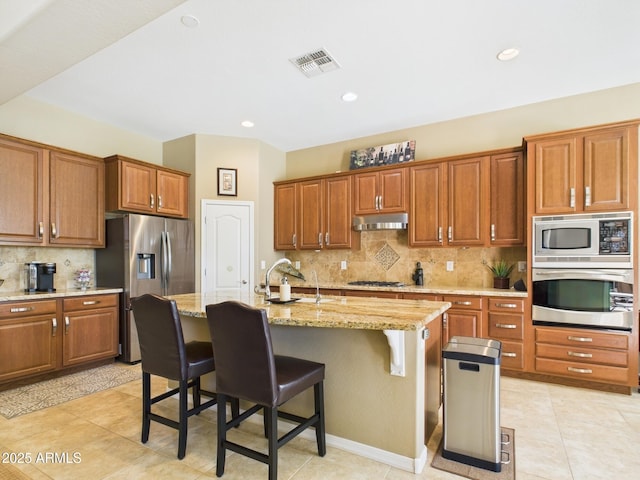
x=501 y=271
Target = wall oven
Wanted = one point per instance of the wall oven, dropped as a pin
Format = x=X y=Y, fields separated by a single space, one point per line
x=583 y=241
x=583 y=297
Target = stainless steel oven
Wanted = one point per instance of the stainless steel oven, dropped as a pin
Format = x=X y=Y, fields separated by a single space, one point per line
x=584 y=297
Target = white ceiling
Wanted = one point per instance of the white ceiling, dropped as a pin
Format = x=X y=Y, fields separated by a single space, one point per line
x=412 y=62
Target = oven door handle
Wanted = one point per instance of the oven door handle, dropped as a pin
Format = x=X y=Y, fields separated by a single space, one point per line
x=583 y=274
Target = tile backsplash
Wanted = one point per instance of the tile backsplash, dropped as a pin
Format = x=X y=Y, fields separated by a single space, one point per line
x=67 y=260
x=385 y=256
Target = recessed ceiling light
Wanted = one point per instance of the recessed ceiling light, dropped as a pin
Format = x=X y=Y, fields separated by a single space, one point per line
x=350 y=97
x=190 y=21
x=508 y=54
x=247 y=123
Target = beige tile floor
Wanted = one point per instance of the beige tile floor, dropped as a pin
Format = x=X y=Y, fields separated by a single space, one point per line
x=561 y=433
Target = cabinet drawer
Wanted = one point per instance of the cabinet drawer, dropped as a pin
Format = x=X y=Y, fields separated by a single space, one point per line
x=512 y=356
x=585 y=355
x=23 y=309
x=89 y=302
x=506 y=305
x=595 y=373
x=503 y=325
x=463 y=302
x=584 y=338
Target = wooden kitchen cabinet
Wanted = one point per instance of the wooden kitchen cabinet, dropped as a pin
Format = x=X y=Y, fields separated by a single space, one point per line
x=506 y=323
x=313 y=214
x=140 y=187
x=29 y=338
x=464 y=318
x=50 y=197
x=90 y=328
x=584 y=170
x=381 y=191
x=507 y=199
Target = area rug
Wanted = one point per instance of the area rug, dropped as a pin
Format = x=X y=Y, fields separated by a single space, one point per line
x=508 y=471
x=48 y=393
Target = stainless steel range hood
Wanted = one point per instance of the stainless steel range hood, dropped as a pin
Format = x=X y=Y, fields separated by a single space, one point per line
x=383 y=221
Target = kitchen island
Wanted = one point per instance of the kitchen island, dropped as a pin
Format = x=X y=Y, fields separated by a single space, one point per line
x=376 y=365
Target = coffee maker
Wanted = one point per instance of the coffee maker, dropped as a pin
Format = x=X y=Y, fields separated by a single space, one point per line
x=39 y=277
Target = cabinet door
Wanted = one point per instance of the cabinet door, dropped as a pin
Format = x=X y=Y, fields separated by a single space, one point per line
x=337 y=211
x=466 y=197
x=555 y=173
x=465 y=323
x=507 y=200
x=426 y=220
x=76 y=200
x=28 y=346
x=606 y=170
x=21 y=184
x=173 y=192
x=90 y=335
x=285 y=215
x=137 y=188
x=392 y=190
x=310 y=225
x=365 y=193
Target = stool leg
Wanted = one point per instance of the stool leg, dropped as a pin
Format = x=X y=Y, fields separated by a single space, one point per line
x=222 y=433
x=272 y=425
x=146 y=406
x=182 y=427
x=235 y=408
x=318 y=396
x=196 y=392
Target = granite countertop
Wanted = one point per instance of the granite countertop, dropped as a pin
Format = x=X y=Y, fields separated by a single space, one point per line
x=21 y=295
x=332 y=312
x=435 y=289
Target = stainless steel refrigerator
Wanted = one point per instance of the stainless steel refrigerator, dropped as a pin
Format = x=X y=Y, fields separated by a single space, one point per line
x=145 y=254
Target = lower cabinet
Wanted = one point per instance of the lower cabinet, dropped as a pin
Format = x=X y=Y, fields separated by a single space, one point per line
x=464 y=318
x=583 y=354
x=42 y=336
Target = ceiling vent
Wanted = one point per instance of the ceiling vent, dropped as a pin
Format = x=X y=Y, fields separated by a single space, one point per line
x=315 y=63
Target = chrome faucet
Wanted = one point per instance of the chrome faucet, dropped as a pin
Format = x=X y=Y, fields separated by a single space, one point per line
x=267 y=290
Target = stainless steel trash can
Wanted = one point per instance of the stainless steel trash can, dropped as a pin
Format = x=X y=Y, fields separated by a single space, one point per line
x=471 y=407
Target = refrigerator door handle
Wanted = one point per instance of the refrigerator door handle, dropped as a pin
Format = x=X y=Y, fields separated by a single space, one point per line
x=163 y=270
x=169 y=262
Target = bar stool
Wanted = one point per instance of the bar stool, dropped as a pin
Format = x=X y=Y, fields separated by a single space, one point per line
x=246 y=368
x=164 y=353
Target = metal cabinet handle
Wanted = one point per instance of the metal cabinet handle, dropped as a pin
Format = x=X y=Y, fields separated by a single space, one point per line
x=587 y=196
x=580 y=370
x=506 y=325
x=450 y=233
x=572 y=197
x=493 y=232
x=326 y=238
x=579 y=339
x=579 y=354
x=506 y=305
x=66 y=325
x=320 y=239
x=21 y=309
x=152 y=202
x=54 y=327
x=90 y=302
x=293 y=240
x=439 y=234
x=54 y=230
x=460 y=302
x=509 y=354
x=40 y=229
x=159 y=201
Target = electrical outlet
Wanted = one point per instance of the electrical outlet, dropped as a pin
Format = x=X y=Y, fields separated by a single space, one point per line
x=450 y=266
x=522 y=266
x=343 y=265
x=263 y=265
x=297 y=264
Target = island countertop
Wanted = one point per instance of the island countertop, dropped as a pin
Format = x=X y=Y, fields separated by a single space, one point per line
x=332 y=312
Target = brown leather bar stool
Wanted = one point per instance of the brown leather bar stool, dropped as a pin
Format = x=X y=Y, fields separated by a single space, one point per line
x=247 y=368
x=164 y=353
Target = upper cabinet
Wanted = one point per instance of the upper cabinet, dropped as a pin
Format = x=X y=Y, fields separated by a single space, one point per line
x=507 y=199
x=313 y=214
x=49 y=196
x=139 y=187
x=586 y=170
x=382 y=191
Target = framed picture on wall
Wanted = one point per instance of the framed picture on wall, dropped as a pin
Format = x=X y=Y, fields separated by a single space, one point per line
x=228 y=182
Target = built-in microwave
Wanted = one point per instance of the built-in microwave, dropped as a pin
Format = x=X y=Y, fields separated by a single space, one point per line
x=583 y=241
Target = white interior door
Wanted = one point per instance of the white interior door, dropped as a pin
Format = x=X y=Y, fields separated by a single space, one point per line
x=227 y=246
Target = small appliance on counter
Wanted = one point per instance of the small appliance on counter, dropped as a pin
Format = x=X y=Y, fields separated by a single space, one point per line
x=39 y=277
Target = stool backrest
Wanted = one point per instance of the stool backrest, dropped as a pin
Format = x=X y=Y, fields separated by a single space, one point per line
x=162 y=346
x=245 y=366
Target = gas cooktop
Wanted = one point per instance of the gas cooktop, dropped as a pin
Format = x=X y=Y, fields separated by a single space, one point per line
x=373 y=283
